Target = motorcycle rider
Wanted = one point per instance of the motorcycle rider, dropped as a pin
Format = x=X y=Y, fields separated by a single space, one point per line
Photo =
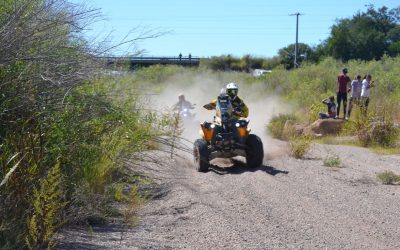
x=182 y=104
x=240 y=108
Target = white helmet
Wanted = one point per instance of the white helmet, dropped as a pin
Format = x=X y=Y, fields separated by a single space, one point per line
x=232 y=89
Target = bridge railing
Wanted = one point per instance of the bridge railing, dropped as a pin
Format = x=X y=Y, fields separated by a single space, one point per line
x=190 y=60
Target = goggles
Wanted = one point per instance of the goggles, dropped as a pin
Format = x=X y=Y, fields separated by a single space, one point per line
x=232 y=92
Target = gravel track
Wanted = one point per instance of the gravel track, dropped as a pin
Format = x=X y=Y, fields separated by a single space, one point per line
x=285 y=204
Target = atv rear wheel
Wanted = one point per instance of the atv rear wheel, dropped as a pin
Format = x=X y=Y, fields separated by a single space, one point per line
x=254 y=151
x=201 y=155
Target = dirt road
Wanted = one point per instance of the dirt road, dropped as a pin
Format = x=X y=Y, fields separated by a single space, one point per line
x=285 y=204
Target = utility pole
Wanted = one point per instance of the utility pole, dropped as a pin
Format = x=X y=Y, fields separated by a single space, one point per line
x=296 y=48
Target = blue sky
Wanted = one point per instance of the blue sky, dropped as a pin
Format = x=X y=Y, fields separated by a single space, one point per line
x=210 y=28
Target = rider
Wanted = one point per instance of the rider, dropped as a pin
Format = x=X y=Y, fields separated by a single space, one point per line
x=240 y=108
x=182 y=103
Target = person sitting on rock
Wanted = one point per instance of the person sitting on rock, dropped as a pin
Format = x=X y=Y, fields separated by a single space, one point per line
x=330 y=102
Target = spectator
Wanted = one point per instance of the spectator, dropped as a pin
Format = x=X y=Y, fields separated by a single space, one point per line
x=330 y=102
x=355 y=94
x=342 y=90
x=367 y=84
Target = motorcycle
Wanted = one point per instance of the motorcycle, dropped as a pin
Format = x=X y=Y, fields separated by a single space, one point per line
x=226 y=137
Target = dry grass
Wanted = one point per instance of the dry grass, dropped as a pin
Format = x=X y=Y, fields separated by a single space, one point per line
x=277 y=123
x=135 y=201
x=388 y=178
x=299 y=145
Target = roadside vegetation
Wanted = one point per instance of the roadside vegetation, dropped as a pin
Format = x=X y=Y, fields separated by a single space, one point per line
x=388 y=178
x=300 y=145
x=332 y=161
x=305 y=87
x=277 y=124
x=66 y=128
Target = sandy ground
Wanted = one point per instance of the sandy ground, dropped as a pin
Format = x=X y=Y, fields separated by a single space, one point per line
x=285 y=204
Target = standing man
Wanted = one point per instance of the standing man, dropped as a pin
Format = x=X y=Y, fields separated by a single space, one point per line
x=367 y=84
x=342 y=88
x=355 y=94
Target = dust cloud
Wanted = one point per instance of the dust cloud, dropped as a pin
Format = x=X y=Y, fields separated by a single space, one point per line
x=202 y=88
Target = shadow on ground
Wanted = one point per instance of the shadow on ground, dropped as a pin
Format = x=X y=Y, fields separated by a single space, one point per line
x=79 y=245
x=109 y=236
x=239 y=167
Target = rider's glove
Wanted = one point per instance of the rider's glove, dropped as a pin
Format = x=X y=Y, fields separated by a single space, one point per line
x=238 y=111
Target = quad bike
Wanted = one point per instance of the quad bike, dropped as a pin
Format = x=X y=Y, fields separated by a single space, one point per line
x=226 y=137
x=185 y=113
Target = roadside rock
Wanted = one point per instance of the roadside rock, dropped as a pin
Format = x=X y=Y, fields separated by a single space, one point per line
x=291 y=128
x=327 y=126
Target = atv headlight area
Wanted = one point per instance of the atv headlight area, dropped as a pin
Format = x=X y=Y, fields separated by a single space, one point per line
x=242 y=123
x=208 y=130
x=241 y=126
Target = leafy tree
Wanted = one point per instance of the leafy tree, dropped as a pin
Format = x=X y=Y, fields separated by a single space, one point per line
x=270 y=63
x=366 y=36
x=244 y=64
x=394 y=49
x=286 y=54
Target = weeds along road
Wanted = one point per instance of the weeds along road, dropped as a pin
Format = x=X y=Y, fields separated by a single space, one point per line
x=285 y=204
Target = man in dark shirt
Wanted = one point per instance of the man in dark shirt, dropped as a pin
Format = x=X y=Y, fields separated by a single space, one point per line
x=342 y=88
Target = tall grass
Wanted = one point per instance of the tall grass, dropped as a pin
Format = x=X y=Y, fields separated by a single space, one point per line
x=305 y=87
x=388 y=178
x=374 y=127
x=300 y=145
x=277 y=123
x=310 y=84
x=65 y=129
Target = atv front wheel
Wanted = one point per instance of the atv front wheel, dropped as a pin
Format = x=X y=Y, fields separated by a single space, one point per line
x=201 y=155
x=254 y=151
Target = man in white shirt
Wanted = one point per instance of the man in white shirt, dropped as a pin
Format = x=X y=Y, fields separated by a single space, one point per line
x=356 y=85
x=367 y=84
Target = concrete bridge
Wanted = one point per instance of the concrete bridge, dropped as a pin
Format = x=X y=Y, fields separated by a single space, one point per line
x=147 y=61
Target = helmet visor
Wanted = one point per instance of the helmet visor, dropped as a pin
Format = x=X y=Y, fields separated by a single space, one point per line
x=232 y=92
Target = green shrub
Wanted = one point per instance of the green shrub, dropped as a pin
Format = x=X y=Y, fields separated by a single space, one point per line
x=157 y=73
x=388 y=178
x=332 y=162
x=47 y=206
x=277 y=123
x=383 y=131
x=135 y=201
x=375 y=127
x=300 y=145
